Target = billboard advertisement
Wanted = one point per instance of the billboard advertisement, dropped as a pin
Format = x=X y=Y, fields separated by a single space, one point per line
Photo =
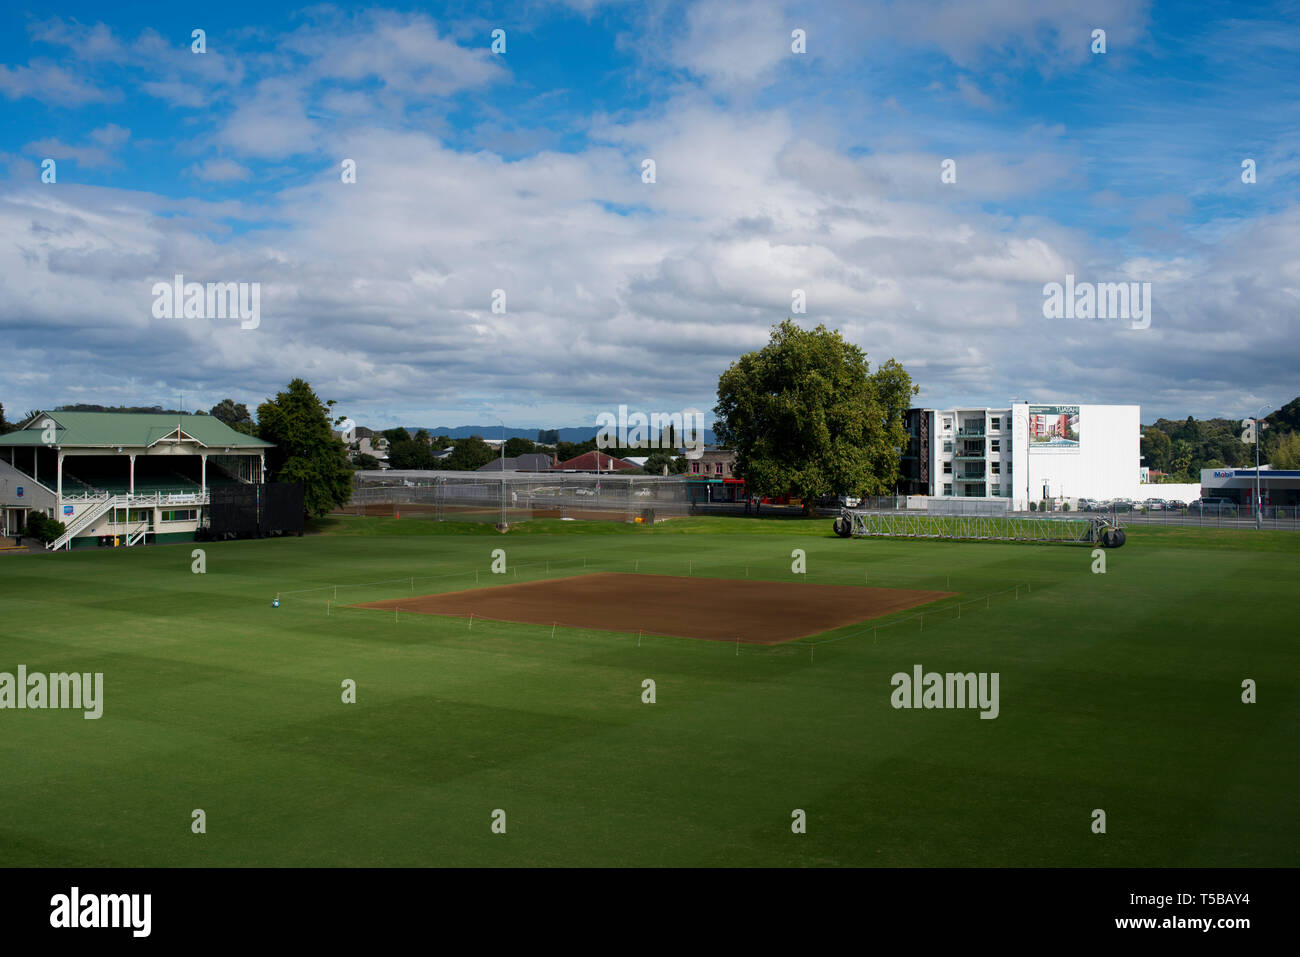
x=1054 y=428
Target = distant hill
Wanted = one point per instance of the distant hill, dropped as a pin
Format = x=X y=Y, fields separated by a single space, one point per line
x=578 y=434
x=1181 y=448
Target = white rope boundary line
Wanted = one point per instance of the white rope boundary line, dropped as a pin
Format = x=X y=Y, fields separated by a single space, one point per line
x=561 y=561
x=921 y=614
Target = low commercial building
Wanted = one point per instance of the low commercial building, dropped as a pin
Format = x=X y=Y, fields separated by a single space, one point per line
x=1276 y=487
x=712 y=477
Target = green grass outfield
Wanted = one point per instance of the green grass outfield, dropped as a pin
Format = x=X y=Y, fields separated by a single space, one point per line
x=1119 y=691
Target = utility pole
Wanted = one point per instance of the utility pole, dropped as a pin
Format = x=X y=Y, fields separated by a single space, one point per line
x=503 y=474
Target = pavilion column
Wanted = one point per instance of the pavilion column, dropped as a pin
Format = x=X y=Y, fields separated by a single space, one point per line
x=261 y=467
x=58 y=481
x=203 y=473
x=130 y=483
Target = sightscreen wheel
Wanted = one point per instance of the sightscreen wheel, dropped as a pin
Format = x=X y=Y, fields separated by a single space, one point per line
x=1112 y=538
x=843 y=527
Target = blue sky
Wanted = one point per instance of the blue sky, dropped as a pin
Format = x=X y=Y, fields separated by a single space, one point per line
x=521 y=172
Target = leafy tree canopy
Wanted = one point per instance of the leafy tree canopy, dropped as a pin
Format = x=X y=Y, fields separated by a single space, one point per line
x=1286 y=454
x=520 y=446
x=411 y=454
x=658 y=459
x=571 y=450
x=1182 y=447
x=468 y=454
x=807 y=418
x=235 y=415
x=306 y=451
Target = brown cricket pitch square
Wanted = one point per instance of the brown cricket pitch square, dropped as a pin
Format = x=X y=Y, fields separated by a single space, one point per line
x=721 y=609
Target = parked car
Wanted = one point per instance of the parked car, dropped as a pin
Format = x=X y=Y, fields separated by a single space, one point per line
x=838 y=501
x=1155 y=504
x=1212 y=506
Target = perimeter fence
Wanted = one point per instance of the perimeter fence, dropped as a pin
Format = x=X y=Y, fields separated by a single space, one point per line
x=518 y=496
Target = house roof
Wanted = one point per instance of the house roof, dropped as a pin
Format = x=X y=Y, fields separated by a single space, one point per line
x=136 y=429
x=596 y=461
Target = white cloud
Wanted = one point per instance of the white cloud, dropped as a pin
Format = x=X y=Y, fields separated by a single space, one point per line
x=406 y=53
x=109 y=138
x=52 y=85
x=273 y=123
x=220 y=171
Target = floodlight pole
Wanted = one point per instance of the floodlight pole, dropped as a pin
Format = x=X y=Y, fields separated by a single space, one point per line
x=503 y=472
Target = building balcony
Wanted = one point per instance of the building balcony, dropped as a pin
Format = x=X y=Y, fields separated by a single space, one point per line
x=970 y=433
x=970 y=454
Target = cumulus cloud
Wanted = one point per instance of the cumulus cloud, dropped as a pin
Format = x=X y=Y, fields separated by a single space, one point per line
x=52 y=85
x=220 y=171
x=380 y=292
x=108 y=140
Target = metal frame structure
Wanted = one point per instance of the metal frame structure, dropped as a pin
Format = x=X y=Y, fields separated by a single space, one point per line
x=1004 y=528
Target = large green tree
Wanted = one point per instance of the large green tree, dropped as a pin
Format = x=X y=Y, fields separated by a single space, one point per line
x=1286 y=453
x=806 y=417
x=306 y=451
x=468 y=454
x=235 y=415
x=657 y=459
x=411 y=454
x=1156 y=448
x=571 y=450
x=520 y=446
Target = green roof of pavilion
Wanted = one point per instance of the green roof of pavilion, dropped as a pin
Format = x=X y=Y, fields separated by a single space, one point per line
x=134 y=429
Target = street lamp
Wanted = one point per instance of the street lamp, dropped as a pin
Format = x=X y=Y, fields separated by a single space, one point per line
x=1259 y=435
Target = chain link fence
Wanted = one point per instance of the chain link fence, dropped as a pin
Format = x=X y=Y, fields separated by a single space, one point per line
x=517 y=497
x=1208 y=516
